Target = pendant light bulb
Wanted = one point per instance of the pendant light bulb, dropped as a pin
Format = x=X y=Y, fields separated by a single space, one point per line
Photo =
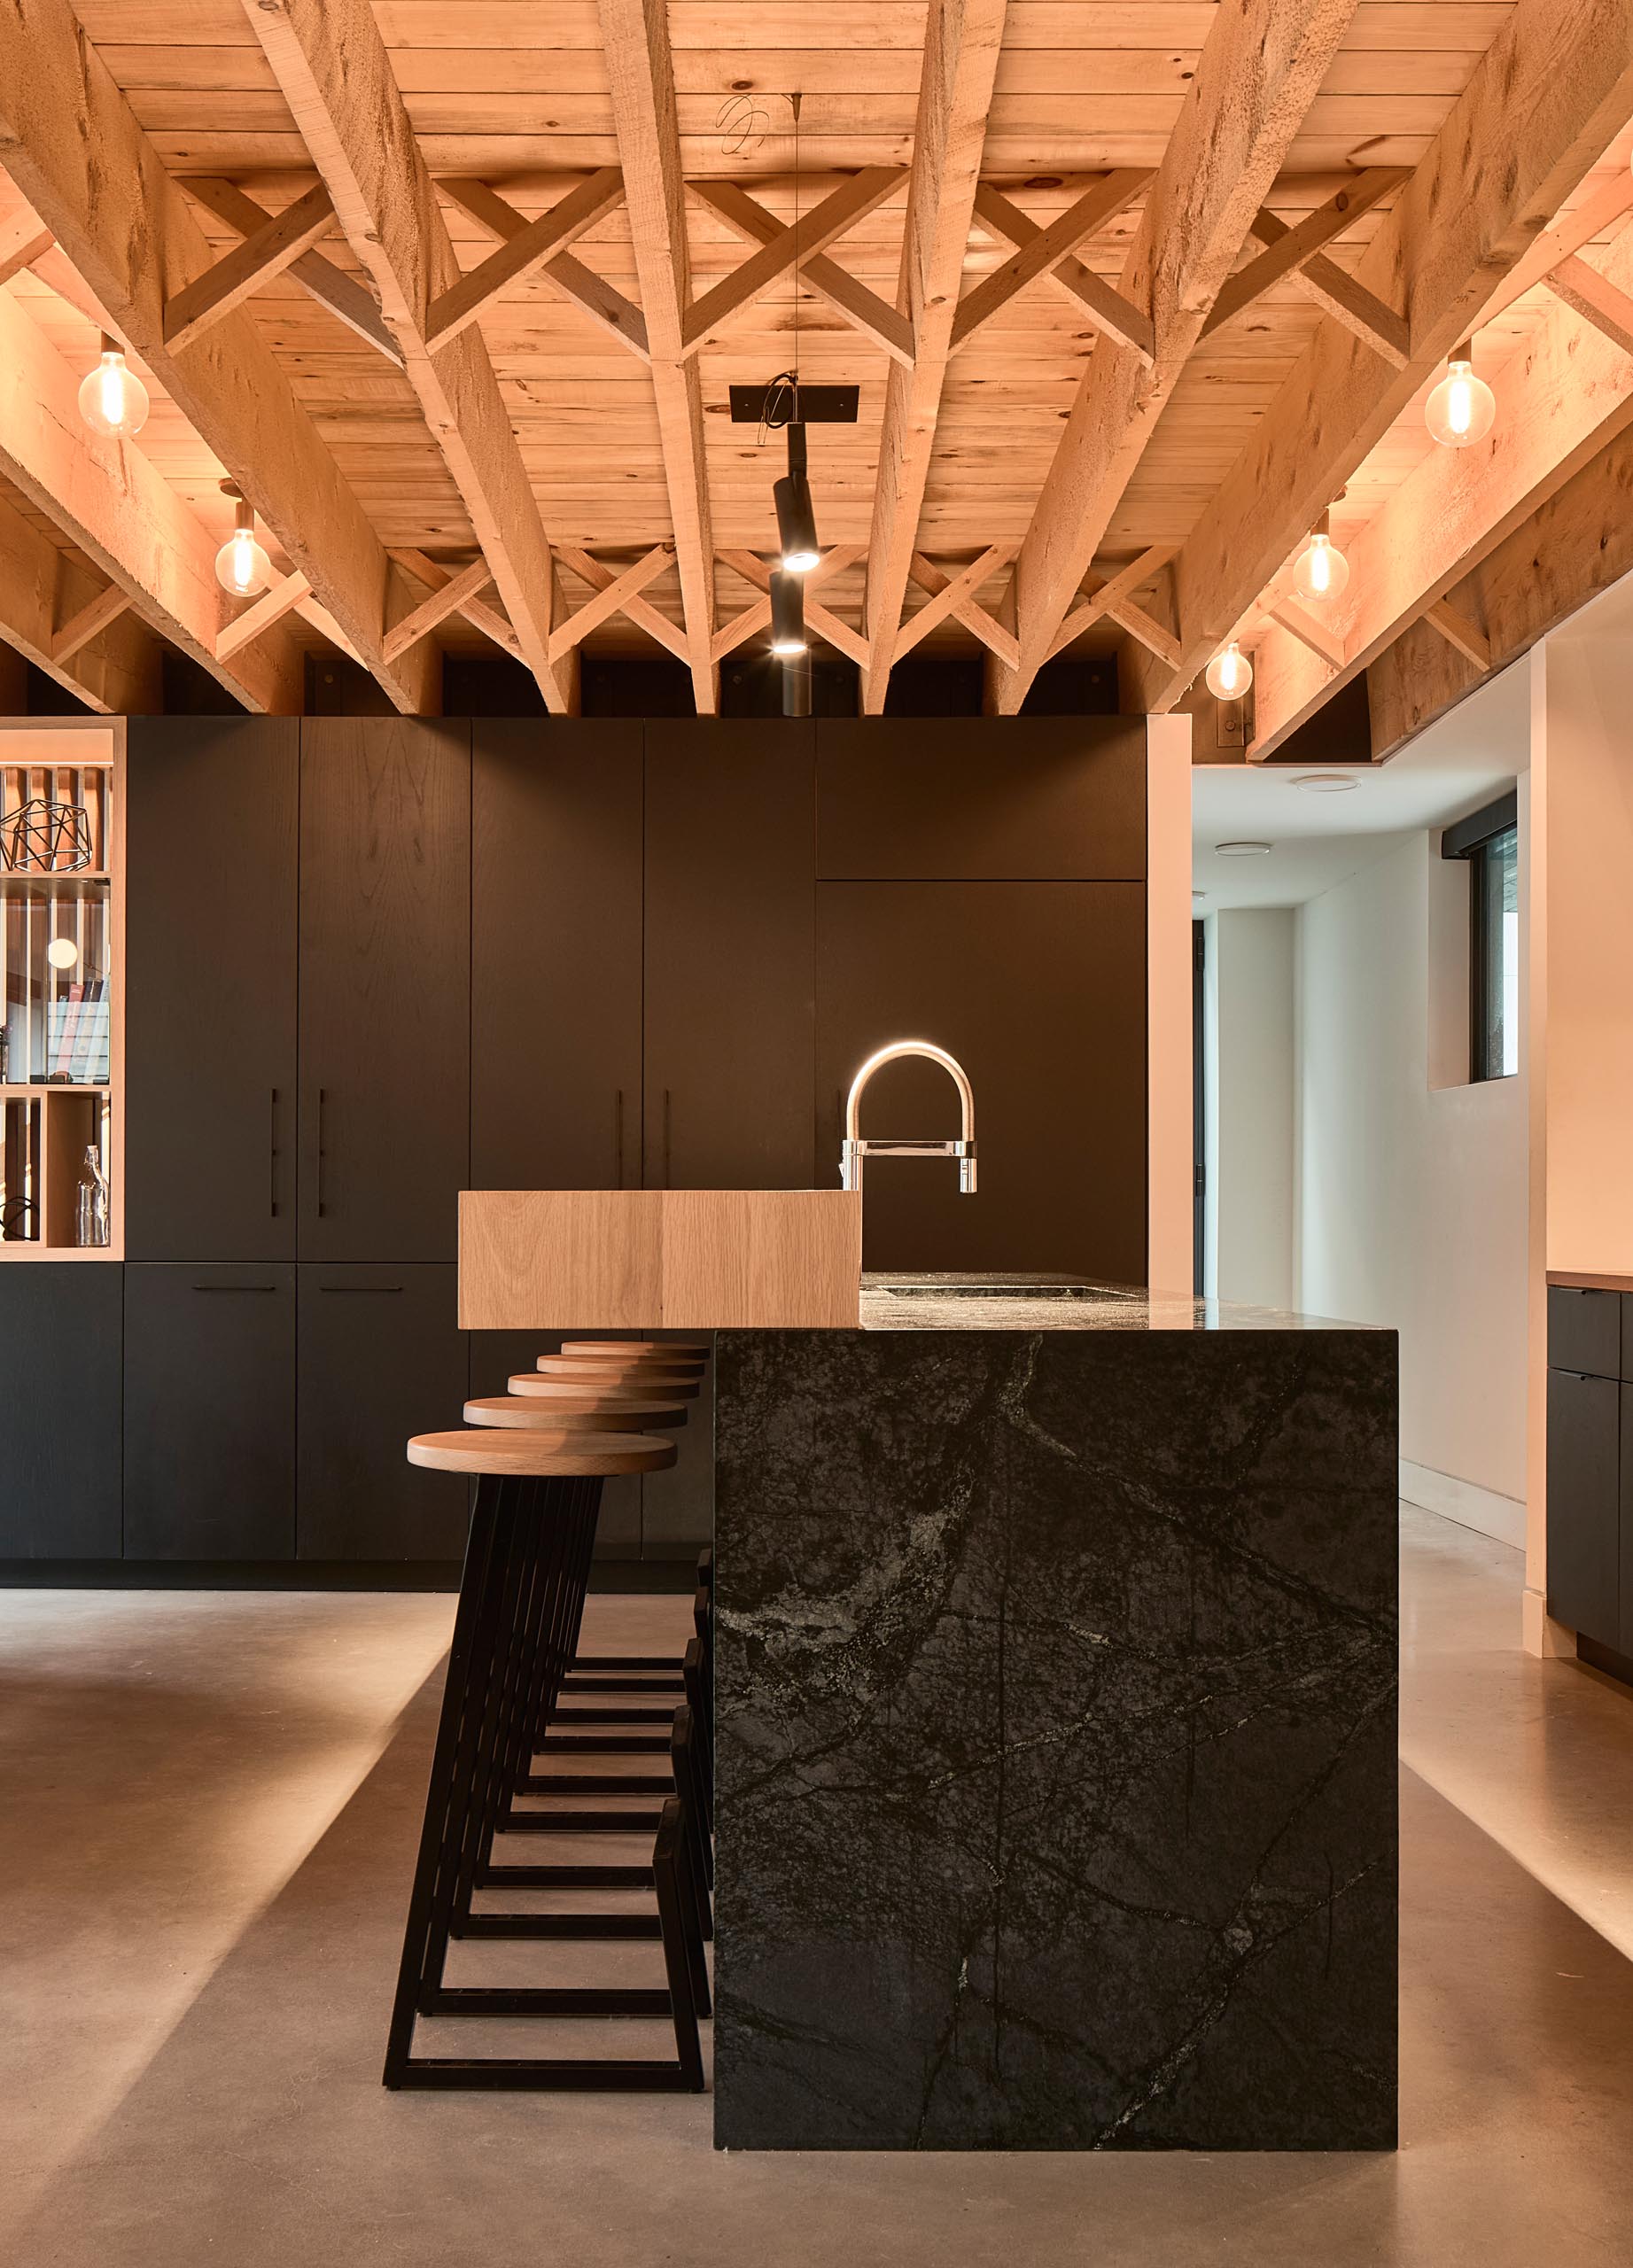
x=1462 y=407
x=1322 y=570
x=796 y=535
x=112 y=399
x=788 y=613
x=242 y=568
x=1230 y=673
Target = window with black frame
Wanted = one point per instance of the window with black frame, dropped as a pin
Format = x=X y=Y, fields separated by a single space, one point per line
x=1488 y=841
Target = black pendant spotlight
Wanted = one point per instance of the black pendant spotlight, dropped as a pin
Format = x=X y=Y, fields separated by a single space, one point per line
x=788 y=613
x=797 y=532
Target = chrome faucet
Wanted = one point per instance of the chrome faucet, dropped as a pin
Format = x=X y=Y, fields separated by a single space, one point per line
x=854 y=1149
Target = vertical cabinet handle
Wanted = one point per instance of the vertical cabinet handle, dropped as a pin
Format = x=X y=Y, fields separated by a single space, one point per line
x=322 y=1106
x=618 y=1139
x=272 y=1156
x=666 y=1116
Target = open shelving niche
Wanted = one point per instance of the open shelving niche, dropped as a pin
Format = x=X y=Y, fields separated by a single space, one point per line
x=61 y=1022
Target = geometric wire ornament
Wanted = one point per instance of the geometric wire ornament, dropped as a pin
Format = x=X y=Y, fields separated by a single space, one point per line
x=44 y=833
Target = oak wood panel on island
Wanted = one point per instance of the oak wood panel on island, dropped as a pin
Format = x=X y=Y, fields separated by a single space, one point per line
x=566 y=1259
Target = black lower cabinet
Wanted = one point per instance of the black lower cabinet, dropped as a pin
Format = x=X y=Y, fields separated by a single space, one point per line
x=209 y=1411
x=1584 y=1504
x=495 y=1356
x=60 y=1327
x=381 y=1358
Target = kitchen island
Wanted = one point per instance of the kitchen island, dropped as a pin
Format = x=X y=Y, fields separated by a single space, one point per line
x=1055 y=1702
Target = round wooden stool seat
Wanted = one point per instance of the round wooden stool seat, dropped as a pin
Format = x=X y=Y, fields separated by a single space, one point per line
x=629 y=1396
x=542 y=1454
x=581 y=1415
x=691 y=1365
x=685 y=1350
x=628 y=1376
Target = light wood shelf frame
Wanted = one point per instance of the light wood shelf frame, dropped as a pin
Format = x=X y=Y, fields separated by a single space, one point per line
x=66 y=1112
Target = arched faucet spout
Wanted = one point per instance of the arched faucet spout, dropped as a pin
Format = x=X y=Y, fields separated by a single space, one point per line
x=853 y=1151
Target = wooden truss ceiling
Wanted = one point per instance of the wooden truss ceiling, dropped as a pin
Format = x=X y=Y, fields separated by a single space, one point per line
x=1133 y=290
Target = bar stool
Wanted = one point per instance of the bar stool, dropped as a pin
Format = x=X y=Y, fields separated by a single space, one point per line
x=592 y=1370
x=672 y=1350
x=526 y=1566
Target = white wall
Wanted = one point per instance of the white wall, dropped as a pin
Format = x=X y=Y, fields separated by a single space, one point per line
x=1413 y=1196
x=1250 y=1106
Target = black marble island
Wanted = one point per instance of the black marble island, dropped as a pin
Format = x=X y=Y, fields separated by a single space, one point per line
x=1056 y=1727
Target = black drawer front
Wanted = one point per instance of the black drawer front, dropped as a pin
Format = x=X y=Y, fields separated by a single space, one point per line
x=1585 y=1332
x=1584 y=1504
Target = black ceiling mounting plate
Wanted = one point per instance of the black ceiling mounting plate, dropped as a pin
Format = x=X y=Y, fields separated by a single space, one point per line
x=818 y=405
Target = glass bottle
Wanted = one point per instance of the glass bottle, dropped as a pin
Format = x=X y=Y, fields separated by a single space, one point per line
x=91 y=1211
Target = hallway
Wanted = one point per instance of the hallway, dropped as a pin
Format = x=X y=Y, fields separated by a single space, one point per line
x=210 y=1802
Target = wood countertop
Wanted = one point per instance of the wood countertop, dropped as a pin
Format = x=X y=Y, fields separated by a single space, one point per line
x=1572 y=1279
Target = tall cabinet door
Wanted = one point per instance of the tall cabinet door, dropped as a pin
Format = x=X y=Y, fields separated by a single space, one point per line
x=1039 y=988
x=210 y=1003
x=730 y=953
x=555 y=954
x=382 y=1358
x=210 y=1411
x=384 y=987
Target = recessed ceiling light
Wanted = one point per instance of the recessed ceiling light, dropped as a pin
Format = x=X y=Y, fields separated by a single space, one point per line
x=1325 y=783
x=1243 y=849
x=1199 y=893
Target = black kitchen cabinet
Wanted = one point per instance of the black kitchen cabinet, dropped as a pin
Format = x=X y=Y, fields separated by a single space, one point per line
x=210 y=1411
x=1584 y=1331
x=730 y=974
x=494 y=1355
x=981 y=799
x=555 y=954
x=210 y=806
x=1038 y=989
x=384 y=987
x=61 y=1326
x=1584 y=1511
x=381 y=1358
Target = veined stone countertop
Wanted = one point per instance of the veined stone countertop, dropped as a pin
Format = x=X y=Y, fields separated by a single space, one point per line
x=1034 y=1302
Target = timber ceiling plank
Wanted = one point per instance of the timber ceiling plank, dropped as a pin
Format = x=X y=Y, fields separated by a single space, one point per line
x=116 y=673
x=71 y=141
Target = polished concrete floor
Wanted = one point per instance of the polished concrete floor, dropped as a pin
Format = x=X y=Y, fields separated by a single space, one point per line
x=209 y=1805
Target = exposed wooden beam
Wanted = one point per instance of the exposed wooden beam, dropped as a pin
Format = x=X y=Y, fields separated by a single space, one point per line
x=1260 y=68
x=569 y=278
x=90 y=620
x=69 y=139
x=961 y=41
x=475 y=610
x=322 y=621
x=957 y=587
x=23 y=240
x=1289 y=248
x=115 y=506
x=755 y=617
x=986 y=626
x=1112 y=600
x=271 y=249
x=805 y=239
x=1314 y=636
x=1574 y=545
x=1459 y=633
x=331 y=62
x=467 y=583
x=116 y=673
x=344 y=297
x=635 y=36
x=1048 y=252
x=283 y=597
x=612 y=598
x=1342 y=296
x=885 y=325
x=827 y=625
x=1562 y=402
x=641 y=612
x=1483 y=192
x=1596 y=298
x=528 y=247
